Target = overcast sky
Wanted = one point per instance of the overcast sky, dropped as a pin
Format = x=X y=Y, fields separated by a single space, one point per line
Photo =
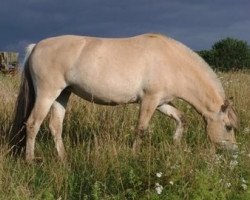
x=196 y=23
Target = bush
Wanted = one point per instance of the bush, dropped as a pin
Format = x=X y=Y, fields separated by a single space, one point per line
x=228 y=54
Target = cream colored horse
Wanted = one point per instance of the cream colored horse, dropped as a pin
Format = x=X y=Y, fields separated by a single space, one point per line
x=148 y=69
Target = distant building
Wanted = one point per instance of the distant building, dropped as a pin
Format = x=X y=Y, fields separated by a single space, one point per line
x=8 y=61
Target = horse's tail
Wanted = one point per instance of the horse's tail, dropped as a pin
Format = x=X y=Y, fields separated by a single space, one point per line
x=24 y=104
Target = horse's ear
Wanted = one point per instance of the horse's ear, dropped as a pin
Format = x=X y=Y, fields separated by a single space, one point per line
x=228 y=109
x=225 y=106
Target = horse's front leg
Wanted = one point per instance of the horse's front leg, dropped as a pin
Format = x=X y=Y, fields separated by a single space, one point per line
x=178 y=116
x=147 y=108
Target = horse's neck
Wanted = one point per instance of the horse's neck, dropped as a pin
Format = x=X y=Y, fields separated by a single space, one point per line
x=206 y=97
x=207 y=106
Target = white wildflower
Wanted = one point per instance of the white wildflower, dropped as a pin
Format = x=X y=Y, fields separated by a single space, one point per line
x=243 y=151
x=235 y=156
x=187 y=150
x=158 y=188
x=171 y=182
x=175 y=166
x=244 y=183
x=218 y=159
x=228 y=185
x=233 y=164
x=243 y=180
x=159 y=174
x=188 y=106
x=246 y=130
x=244 y=186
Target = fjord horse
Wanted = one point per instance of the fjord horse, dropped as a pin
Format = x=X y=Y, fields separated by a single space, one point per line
x=149 y=69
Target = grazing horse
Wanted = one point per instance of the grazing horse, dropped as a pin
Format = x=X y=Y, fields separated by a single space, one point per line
x=149 y=69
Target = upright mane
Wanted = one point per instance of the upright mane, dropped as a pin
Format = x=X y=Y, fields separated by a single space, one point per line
x=199 y=62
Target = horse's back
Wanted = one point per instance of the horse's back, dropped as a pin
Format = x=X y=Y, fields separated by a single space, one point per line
x=117 y=69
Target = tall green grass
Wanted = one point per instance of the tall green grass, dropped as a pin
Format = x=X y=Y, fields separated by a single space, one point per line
x=100 y=164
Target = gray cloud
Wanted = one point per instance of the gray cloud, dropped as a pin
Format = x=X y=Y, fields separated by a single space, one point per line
x=196 y=23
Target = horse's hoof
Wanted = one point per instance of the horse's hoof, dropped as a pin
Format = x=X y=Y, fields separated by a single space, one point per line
x=136 y=147
x=38 y=159
x=34 y=160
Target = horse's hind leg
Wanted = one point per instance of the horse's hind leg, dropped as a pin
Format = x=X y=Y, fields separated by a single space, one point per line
x=148 y=106
x=171 y=111
x=56 y=121
x=43 y=102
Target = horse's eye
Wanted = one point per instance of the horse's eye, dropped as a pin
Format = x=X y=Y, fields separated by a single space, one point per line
x=228 y=128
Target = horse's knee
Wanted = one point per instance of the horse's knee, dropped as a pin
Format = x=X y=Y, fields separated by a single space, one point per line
x=52 y=127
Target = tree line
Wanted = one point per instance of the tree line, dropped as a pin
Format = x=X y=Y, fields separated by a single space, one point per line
x=228 y=54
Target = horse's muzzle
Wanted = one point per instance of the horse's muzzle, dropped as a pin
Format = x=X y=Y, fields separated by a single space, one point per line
x=228 y=146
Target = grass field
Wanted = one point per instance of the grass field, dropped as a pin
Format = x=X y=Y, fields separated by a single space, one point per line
x=100 y=163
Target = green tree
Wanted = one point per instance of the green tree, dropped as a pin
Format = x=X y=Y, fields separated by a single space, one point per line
x=208 y=56
x=231 y=54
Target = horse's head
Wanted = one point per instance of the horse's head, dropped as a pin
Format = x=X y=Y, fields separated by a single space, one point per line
x=221 y=128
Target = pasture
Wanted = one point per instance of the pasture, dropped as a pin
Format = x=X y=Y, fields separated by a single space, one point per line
x=100 y=164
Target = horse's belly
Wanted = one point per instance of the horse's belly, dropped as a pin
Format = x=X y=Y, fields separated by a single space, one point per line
x=107 y=95
x=106 y=84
